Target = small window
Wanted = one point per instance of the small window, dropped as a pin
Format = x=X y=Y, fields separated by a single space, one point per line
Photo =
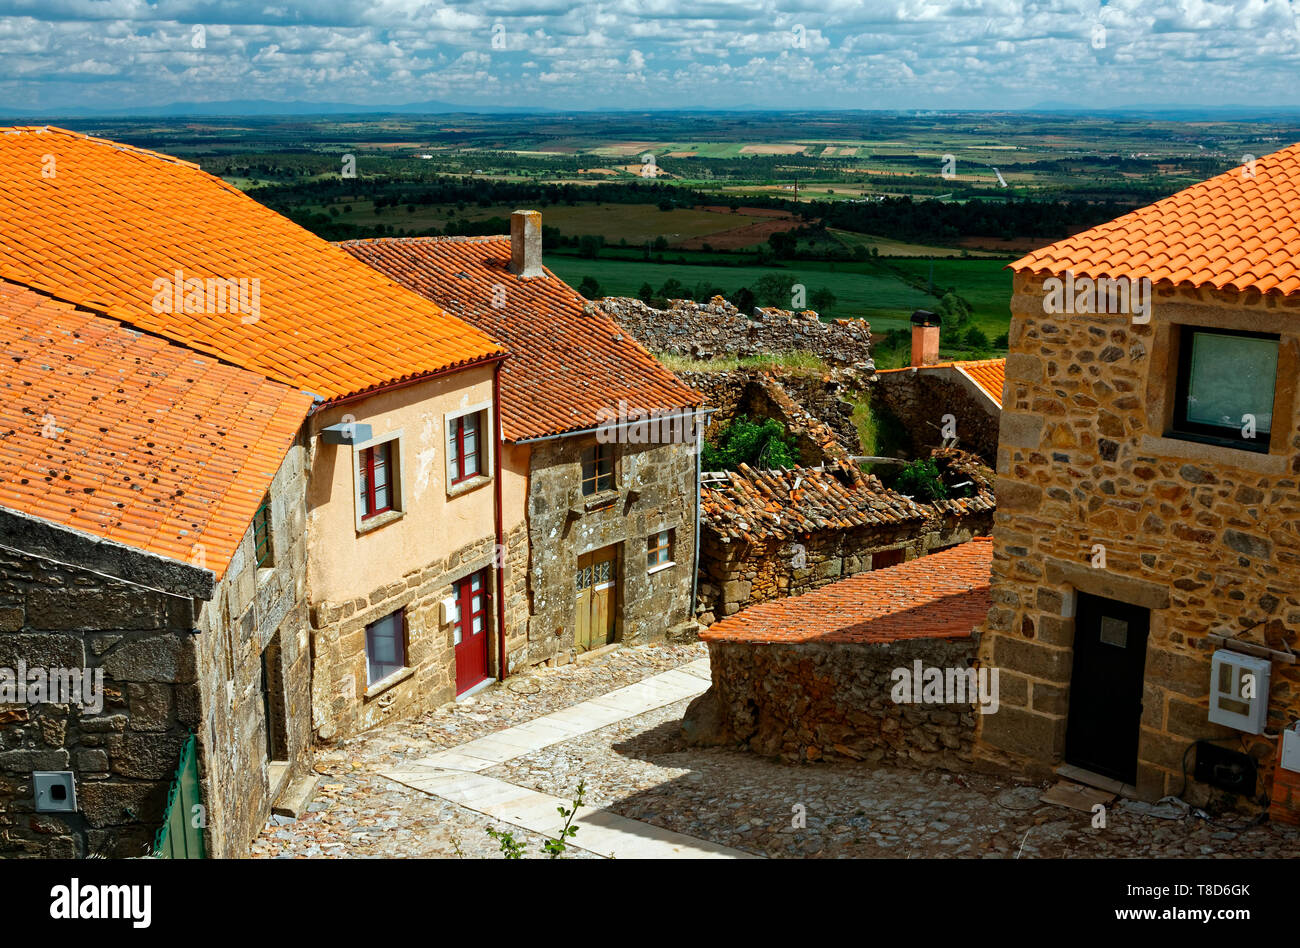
x=1225 y=387
x=464 y=441
x=385 y=647
x=262 y=533
x=378 y=481
x=598 y=469
x=659 y=549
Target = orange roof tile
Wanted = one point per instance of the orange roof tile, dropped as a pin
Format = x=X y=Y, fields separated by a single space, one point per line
x=567 y=363
x=128 y=437
x=943 y=595
x=988 y=374
x=97 y=223
x=1233 y=232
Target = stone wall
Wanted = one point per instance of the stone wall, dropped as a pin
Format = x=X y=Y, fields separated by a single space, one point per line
x=718 y=330
x=1207 y=538
x=734 y=576
x=256 y=611
x=655 y=490
x=759 y=394
x=810 y=701
x=54 y=615
x=167 y=671
x=919 y=400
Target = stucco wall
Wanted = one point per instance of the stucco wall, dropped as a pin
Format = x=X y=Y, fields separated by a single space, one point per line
x=1207 y=538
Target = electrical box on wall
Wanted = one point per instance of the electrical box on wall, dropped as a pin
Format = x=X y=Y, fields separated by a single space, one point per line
x=55 y=791
x=448 y=610
x=1239 y=690
x=1291 y=748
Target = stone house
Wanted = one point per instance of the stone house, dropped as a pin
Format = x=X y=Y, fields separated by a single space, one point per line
x=373 y=547
x=1148 y=521
x=600 y=520
x=769 y=534
x=163 y=566
x=937 y=402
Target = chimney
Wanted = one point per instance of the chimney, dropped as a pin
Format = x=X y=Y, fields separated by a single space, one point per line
x=925 y=338
x=526 y=243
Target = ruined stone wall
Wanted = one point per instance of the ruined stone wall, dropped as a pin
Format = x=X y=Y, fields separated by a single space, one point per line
x=718 y=329
x=809 y=701
x=759 y=394
x=734 y=576
x=655 y=490
x=1207 y=538
x=54 y=615
x=919 y=400
x=257 y=610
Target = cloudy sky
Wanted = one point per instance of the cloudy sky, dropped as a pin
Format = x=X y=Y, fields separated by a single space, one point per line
x=930 y=54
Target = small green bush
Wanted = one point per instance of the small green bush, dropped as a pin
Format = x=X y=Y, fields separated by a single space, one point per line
x=763 y=445
x=920 y=479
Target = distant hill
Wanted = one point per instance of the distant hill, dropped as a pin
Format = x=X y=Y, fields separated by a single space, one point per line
x=264 y=107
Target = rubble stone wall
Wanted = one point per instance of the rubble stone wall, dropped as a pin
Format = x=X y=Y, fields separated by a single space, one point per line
x=919 y=400
x=718 y=329
x=812 y=701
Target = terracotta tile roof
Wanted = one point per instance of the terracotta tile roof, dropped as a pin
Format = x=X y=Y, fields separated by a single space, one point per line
x=155 y=446
x=786 y=504
x=113 y=219
x=943 y=595
x=1233 y=232
x=568 y=361
x=989 y=375
x=789 y=503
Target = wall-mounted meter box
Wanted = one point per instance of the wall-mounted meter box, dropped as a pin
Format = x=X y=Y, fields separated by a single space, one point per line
x=1291 y=749
x=1239 y=690
x=55 y=791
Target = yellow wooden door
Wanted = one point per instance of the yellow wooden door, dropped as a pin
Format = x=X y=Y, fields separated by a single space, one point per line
x=596 y=592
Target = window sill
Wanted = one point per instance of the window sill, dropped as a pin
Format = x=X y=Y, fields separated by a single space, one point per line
x=599 y=501
x=380 y=520
x=660 y=568
x=384 y=684
x=1240 y=458
x=464 y=487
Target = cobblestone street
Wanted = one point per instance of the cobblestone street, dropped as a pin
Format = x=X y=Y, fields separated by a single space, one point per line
x=639 y=768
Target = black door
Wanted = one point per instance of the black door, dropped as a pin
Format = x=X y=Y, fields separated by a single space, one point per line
x=1110 y=649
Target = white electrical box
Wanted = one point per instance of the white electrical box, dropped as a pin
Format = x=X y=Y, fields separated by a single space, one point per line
x=1239 y=691
x=448 y=611
x=1291 y=749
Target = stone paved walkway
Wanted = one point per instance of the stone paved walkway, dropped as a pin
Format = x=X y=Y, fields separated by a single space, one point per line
x=638 y=769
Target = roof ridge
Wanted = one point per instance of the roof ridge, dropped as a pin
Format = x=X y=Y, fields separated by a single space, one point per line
x=119 y=146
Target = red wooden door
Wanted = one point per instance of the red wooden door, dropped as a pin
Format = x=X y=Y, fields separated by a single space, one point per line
x=470 y=630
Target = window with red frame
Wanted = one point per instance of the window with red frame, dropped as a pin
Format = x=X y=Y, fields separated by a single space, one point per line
x=463 y=440
x=376 y=479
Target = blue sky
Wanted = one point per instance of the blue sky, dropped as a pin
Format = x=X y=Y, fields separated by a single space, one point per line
x=801 y=54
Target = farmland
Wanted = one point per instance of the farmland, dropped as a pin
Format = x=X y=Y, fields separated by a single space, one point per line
x=873 y=214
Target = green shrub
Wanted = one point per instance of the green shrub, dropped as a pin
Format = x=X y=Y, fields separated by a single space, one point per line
x=763 y=445
x=920 y=479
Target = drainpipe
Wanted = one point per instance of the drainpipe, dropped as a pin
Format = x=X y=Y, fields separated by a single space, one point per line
x=695 y=573
x=500 y=528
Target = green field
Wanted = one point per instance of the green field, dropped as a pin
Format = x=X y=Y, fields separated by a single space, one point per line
x=862 y=290
x=985 y=284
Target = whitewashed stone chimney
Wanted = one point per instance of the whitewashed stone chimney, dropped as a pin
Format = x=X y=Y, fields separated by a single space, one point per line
x=526 y=243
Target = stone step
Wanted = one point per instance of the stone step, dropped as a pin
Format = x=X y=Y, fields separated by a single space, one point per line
x=295 y=798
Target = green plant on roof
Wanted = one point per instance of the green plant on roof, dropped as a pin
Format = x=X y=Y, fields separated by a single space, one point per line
x=920 y=479
x=763 y=445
